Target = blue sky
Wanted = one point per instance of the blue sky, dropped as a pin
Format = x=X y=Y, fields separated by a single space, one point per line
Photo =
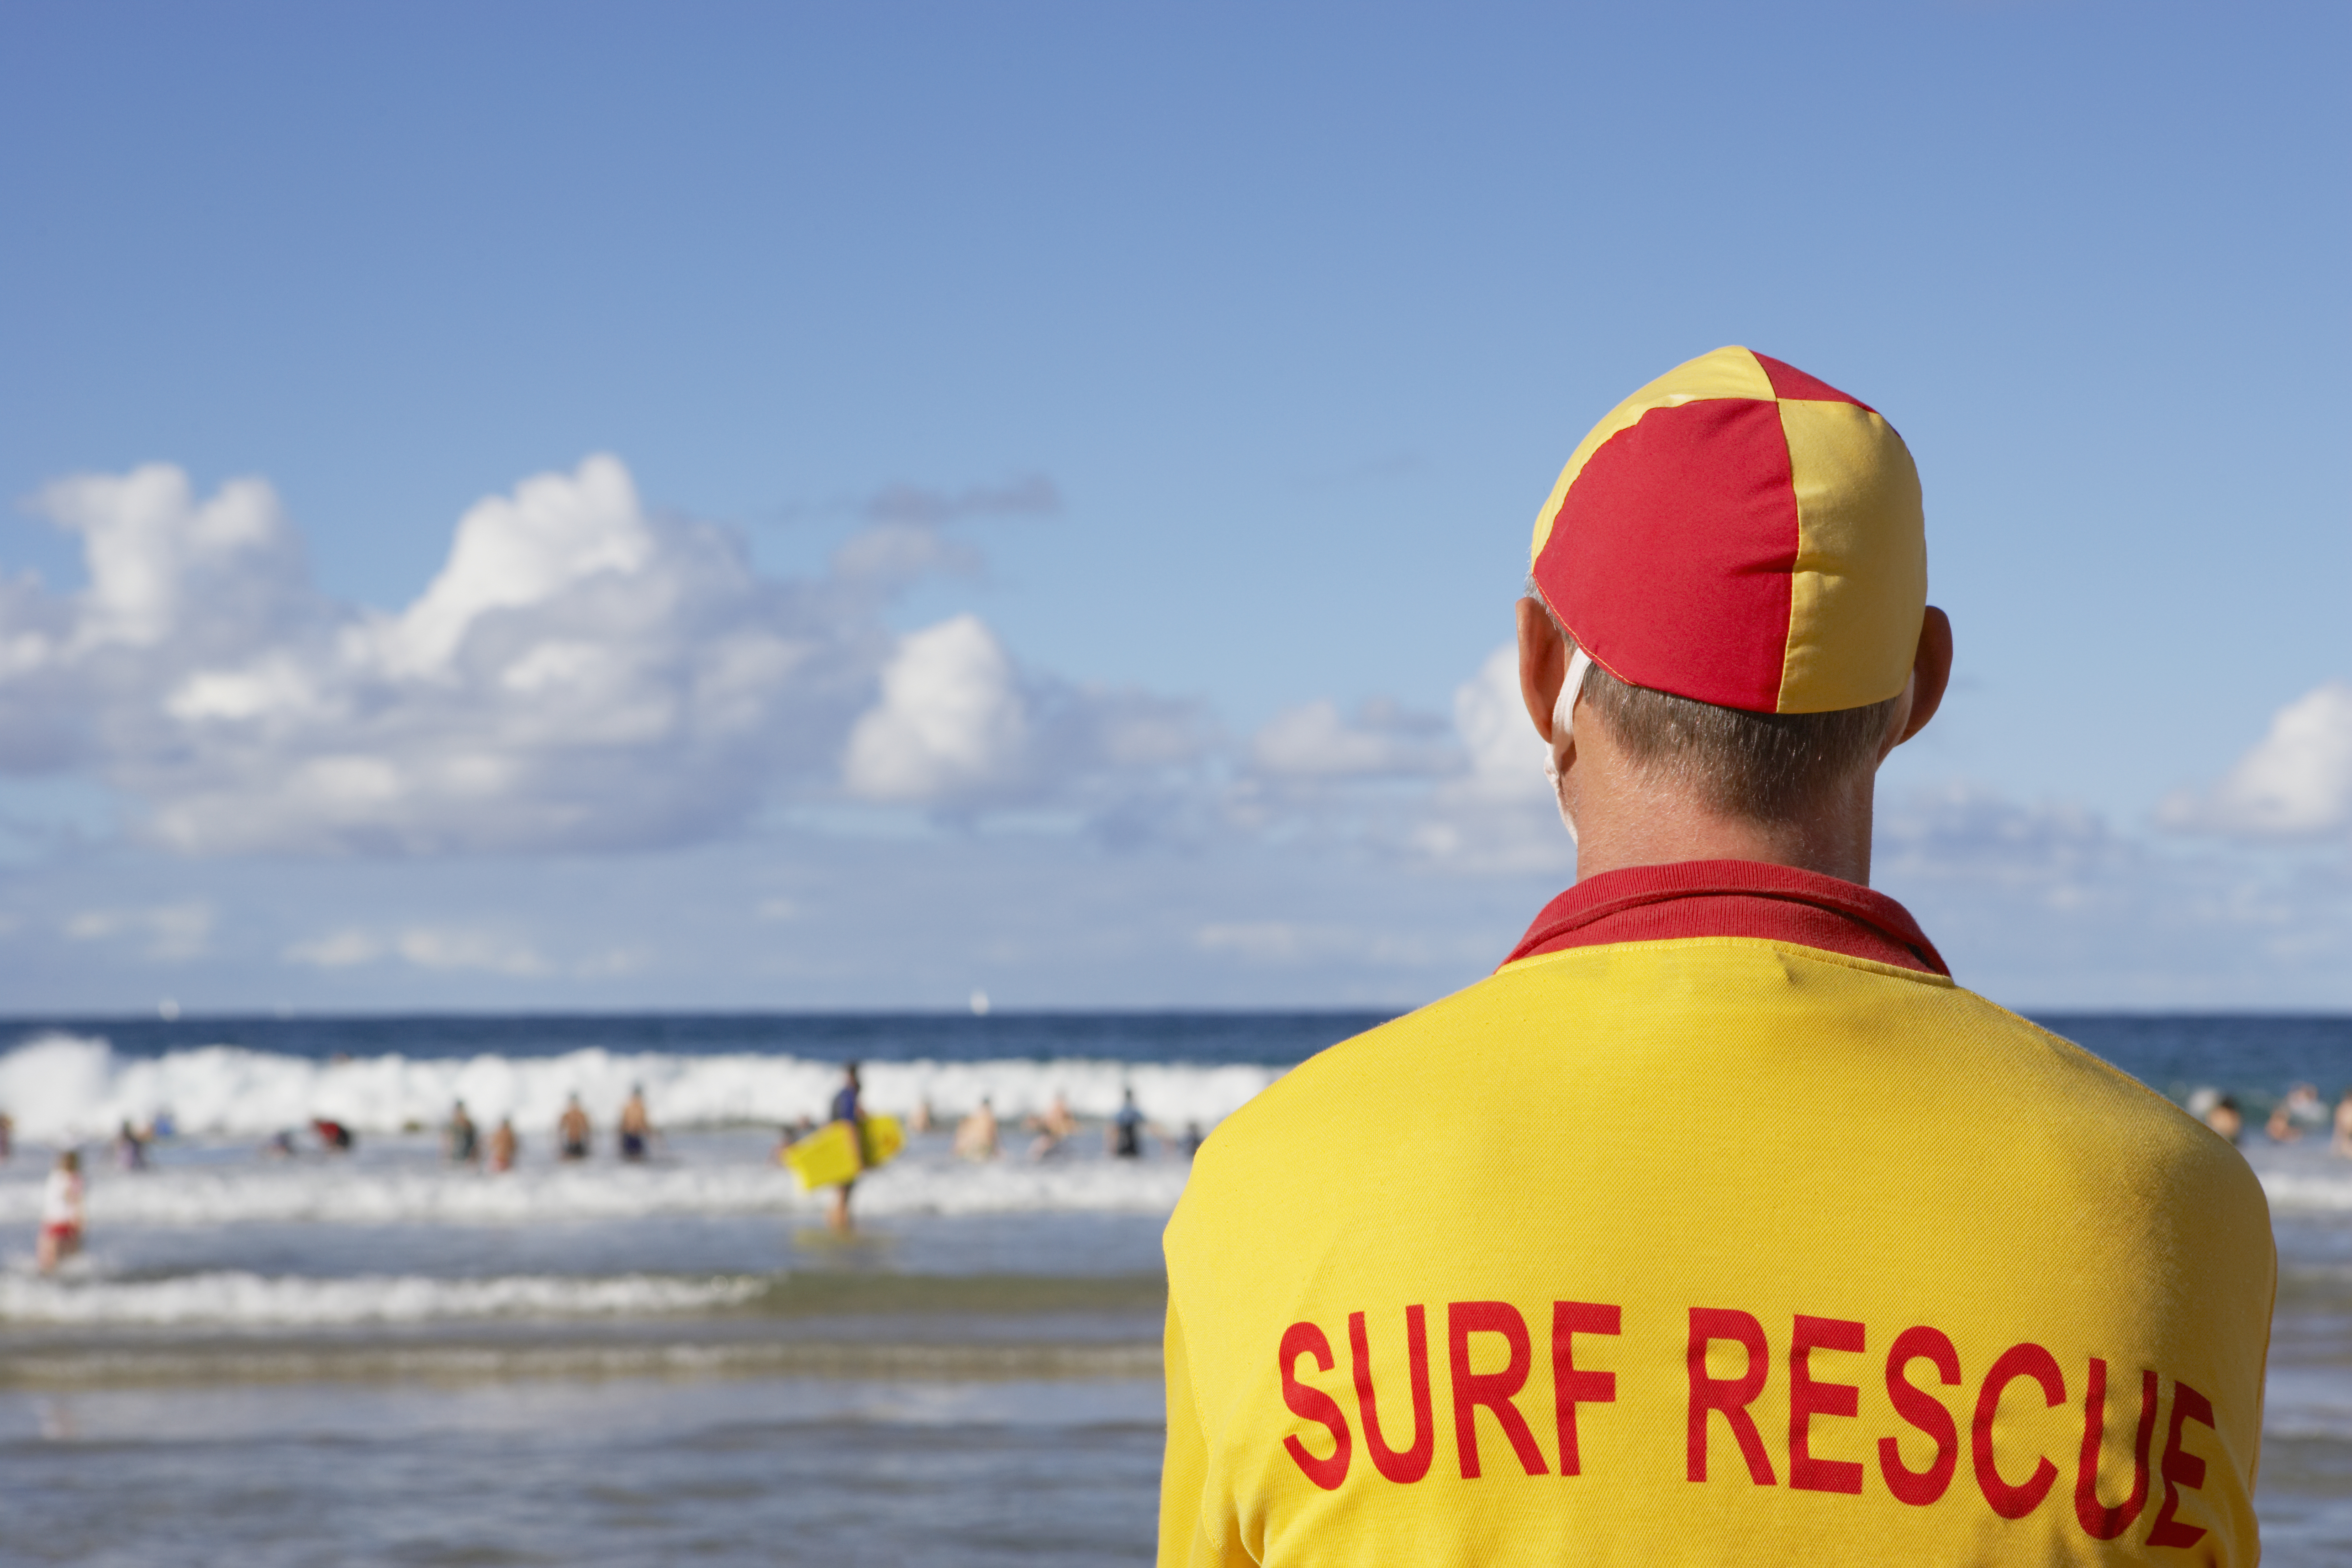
x=1021 y=497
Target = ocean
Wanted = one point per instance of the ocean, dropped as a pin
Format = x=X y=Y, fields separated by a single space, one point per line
x=310 y=1357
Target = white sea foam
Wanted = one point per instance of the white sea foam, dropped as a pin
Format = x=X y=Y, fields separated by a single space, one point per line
x=237 y=1298
x=2308 y=1189
x=413 y=1191
x=62 y=1086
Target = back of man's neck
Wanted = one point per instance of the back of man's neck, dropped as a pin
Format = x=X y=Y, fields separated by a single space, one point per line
x=1663 y=828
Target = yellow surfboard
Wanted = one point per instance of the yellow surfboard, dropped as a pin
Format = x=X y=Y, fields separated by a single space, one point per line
x=824 y=1157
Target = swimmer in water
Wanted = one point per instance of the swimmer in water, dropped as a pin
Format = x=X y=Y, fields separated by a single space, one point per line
x=2226 y=1119
x=504 y=1146
x=1123 y=1134
x=460 y=1142
x=571 y=1131
x=975 y=1137
x=61 y=1213
x=1051 y=1128
x=2300 y=1109
x=637 y=1124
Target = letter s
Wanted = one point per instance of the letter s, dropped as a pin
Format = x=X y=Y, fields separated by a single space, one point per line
x=1314 y=1405
x=1923 y=1410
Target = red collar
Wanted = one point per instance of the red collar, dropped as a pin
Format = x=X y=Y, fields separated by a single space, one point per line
x=1731 y=898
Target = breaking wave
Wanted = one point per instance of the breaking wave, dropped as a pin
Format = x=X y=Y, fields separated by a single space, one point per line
x=63 y=1086
x=415 y=1192
x=236 y=1299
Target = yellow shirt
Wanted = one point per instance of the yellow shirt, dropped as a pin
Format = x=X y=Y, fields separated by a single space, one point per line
x=1714 y=1250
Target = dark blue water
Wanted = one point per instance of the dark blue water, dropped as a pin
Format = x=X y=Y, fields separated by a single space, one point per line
x=1210 y=1038
x=2253 y=1056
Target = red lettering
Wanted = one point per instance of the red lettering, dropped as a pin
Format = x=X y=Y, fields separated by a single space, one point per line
x=1312 y=1403
x=1732 y=1395
x=2099 y=1522
x=1923 y=1410
x=2181 y=1468
x=1570 y=1387
x=2018 y=1361
x=1405 y=1464
x=1808 y=1399
x=1492 y=1389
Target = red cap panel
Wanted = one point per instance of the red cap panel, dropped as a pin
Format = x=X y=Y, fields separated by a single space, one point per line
x=1788 y=380
x=1670 y=558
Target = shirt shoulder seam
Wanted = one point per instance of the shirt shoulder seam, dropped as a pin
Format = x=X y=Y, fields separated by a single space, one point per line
x=1794 y=949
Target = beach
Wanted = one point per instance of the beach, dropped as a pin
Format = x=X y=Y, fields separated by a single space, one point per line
x=375 y=1357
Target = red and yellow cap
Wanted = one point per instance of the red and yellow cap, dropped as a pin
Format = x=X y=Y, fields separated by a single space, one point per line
x=1740 y=534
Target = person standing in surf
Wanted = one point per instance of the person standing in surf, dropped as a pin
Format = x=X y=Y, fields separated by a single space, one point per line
x=572 y=1131
x=1123 y=1133
x=636 y=1127
x=61 y=1213
x=461 y=1142
x=847 y=1108
x=1949 y=1289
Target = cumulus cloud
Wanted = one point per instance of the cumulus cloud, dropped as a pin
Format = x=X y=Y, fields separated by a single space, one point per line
x=1499 y=815
x=1470 y=797
x=2296 y=782
x=435 y=948
x=2055 y=853
x=905 y=532
x=951 y=719
x=168 y=931
x=581 y=674
x=1507 y=756
x=1383 y=741
x=961 y=725
x=2049 y=903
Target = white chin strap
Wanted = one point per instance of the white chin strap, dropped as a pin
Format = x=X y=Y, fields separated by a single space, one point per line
x=1563 y=725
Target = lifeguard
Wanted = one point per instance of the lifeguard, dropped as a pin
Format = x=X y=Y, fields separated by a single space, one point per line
x=1944 y=1288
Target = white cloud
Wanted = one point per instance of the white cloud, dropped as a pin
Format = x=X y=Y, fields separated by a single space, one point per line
x=435 y=948
x=962 y=729
x=1501 y=817
x=1315 y=741
x=2044 y=904
x=951 y=720
x=171 y=931
x=1507 y=756
x=336 y=950
x=1260 y=941
x=163 y=566
x=2296 y=782
x=443 y=947
x=579 y=675
x=1472 y=800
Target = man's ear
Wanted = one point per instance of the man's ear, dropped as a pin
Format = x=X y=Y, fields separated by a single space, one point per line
x=1931 y=672
x=1543 y=664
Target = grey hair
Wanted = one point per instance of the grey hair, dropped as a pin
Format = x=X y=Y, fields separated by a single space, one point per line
x=1764 y=766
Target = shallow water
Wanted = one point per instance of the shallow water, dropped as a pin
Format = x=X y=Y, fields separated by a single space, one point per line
x=630 y=1470
x=379 y=1359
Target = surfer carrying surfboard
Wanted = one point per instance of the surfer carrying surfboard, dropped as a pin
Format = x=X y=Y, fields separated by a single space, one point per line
x=1948 y=1289
x=845 y=1108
